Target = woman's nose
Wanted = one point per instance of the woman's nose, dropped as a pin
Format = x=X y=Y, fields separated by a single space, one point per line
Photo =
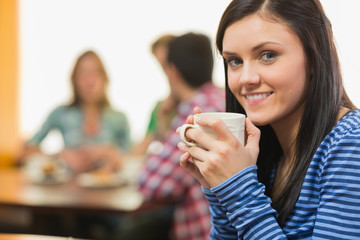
x=249 y=75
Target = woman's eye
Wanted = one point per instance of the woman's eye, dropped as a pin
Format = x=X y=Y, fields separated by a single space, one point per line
x=233 y=62
x=268 y=56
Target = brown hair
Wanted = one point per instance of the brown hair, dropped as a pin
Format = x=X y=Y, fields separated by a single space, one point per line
x=76 y=100
x=192 y=55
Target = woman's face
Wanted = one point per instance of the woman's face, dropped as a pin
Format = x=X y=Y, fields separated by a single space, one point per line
x=90 y=81
x=266 y=69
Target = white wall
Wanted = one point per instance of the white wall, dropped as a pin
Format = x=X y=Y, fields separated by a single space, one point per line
x=345 y=19
x=53 y=33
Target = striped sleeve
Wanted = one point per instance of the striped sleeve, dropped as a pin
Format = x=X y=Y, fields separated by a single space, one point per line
x=338 y=215
x=247 y=207
x=221 y=226
x=328 y=206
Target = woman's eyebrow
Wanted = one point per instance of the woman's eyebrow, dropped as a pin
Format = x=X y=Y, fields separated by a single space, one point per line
x=257 y=47
x=228 y=53
x=263 y=44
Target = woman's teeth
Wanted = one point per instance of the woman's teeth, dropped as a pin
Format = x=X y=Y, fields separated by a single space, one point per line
x=257 y=96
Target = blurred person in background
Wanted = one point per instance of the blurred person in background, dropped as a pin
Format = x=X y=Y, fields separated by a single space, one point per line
x=165 y=109
x=96 y=139
x=95 y=134
x=189 y=69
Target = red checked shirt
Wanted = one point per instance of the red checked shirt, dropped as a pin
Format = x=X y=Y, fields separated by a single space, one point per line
x=163 y=177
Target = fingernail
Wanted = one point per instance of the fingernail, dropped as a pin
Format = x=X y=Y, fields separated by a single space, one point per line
x=181 y=145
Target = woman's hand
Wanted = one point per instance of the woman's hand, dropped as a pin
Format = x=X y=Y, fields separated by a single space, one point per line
x=76 y=160
x=186 y=161
x=224 y=157
x=88 y=157
x=108 y=156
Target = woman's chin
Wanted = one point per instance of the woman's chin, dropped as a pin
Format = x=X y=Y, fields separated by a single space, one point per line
x=258 y=121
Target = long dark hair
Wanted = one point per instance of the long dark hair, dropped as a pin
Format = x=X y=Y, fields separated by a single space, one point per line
x=323 y=100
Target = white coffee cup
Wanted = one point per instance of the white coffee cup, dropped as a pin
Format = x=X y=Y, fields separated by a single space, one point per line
x=234 y=121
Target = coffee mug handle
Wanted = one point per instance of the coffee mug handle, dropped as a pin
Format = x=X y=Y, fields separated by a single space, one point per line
x=182 y=134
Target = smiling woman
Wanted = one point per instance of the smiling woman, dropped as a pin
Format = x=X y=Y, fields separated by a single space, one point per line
x=297 y=174
x=266 y=69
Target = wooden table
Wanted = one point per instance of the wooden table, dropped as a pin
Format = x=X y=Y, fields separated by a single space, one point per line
x=68 y=200
x=17 y=191
x=33 y=203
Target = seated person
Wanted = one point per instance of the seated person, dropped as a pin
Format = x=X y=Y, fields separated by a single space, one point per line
x=95 y=135
x=189 y=70
x=165 y=109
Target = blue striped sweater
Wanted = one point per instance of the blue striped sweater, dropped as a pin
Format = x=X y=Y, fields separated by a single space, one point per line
x=328 y=206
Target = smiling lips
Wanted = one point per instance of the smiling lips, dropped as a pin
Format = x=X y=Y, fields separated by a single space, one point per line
x=253 y=99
